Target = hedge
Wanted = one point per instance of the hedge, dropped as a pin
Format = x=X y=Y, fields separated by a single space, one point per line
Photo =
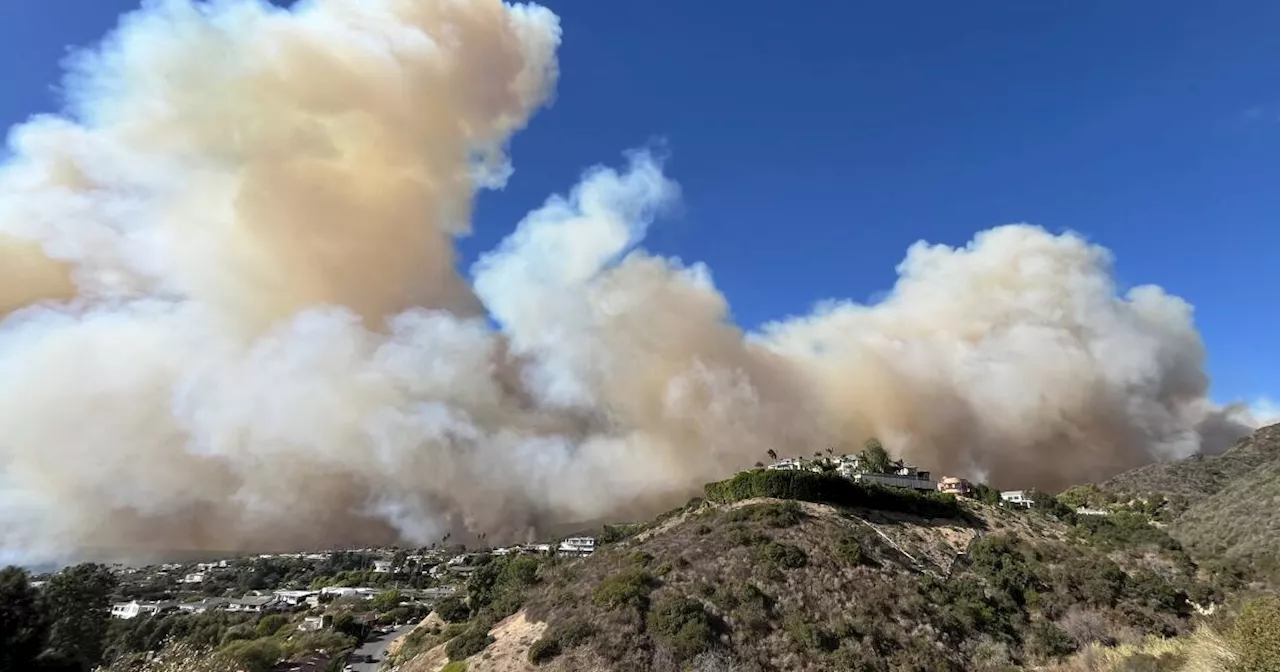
x=827 y=489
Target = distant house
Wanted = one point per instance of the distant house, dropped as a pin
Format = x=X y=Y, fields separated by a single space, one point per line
x=955 y=486
x=197 y=577
x=311 y=623
x=294 y=598
x=789 y=464
x=1021 y=498
x=1084 y=511
x=577 y=546
x=343 y=591
x=205 y=605
x=252 y=603
x=436 y=593
x=382 y=566
x=135 y=609
x=915 y=482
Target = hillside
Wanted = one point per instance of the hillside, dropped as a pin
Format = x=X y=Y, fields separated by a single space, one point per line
x=1200 y=476
x=769 y=584
x=1223 y=509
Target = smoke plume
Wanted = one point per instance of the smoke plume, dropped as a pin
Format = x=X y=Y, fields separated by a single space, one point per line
x=232 y=319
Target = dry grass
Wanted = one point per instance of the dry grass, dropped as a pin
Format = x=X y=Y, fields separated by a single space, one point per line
x=1201 y=651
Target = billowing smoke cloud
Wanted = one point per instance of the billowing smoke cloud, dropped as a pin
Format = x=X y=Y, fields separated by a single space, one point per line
x=232 y=320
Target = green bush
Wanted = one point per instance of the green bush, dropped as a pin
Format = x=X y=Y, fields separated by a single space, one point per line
x=543 y=650
x=627 y=588
x=573 y=632
x=848 y=550
x=252 y=655
x=806 y=636
x=468 y=643
x=1257 y=636
x=782 y=555
x=455 y=666
x=683 y=625
x=785 y=514
x=1047 y=641
x=453 y=610
x=829 y=489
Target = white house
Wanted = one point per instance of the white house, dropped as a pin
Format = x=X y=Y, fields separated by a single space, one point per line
x=135 y=609
x=197 y=577
x=294 y=598
x=1017 y=498
x=1084 y=511
x=343 y=591
x=382 y=566
x=311 y=623
x=788 y=464
x=577 y=546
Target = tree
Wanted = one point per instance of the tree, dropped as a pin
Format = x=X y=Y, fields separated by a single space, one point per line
x=773 y=454
x=875 y=458
x=397 y=560
x=22 y=626
x=77 y=603
x=759 y=465
x=386 y=601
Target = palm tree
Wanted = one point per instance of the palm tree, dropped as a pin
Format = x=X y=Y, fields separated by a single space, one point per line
x=773 y=454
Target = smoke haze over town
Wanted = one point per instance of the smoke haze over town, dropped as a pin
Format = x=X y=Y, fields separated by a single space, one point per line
x=232 y=314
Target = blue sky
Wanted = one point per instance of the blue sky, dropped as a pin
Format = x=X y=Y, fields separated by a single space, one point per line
x=814 y=146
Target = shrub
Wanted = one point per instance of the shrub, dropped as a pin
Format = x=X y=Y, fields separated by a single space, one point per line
x=682 y=624
x=1049 y=642
x=543 y=650
x=783 y=555
x=785 y=514
x=452 y=610
x=573 y=632
x=812 y=487
x=254 y=655
x=848 y=550
x=743 y=536
x=629 y=587
x=468 y=643
x=1257 y=636
x=455 y=666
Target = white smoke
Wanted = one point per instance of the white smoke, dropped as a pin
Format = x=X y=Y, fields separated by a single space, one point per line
x=231 y=318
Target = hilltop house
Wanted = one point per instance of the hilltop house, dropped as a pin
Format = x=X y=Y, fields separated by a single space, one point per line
x=955 y=486
x=900 y=474
x=382 y=566
x=1021 y=498
x=197 y=577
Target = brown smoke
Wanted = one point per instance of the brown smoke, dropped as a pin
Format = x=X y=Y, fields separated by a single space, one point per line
x=233 y=319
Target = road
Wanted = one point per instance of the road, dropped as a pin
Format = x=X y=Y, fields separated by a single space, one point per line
x=376 y=646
